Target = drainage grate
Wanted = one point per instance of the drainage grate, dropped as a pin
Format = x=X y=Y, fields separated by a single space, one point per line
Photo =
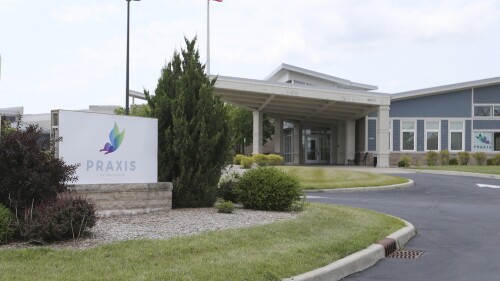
x=406 y=254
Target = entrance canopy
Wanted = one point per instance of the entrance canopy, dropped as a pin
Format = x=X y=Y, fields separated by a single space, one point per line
x=298 y=102
x=308 y=99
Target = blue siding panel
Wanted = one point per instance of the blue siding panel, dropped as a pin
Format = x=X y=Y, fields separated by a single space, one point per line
x=444 y=134
x=396 y=135
x=486 y=124
x=455 y=104
x=468 y=135
x=490 y=94
x=372 y=135
x=420 y=135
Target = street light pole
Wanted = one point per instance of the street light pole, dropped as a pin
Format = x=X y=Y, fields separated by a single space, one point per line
x=127 y=62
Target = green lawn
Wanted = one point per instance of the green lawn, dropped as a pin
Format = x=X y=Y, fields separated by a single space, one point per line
x=321 y=235
x=494 y=170
x=332 y=178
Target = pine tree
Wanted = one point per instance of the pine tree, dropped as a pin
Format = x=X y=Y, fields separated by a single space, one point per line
x=193 y=131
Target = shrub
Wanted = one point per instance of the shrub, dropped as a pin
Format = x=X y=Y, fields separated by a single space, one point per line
x=453 y=161
x=246 y=162
x=29 y=171
x=404 y=161
x=5 y=216
x=228 y=187
x=237 y=159
x=431 y=158
x=225 y=207
x=63 y=218
x=444 y=156
x=274 y=159
x=480 y=158
x=497 y=159
x=463 y=158
x=491 y=162
x=269 y=189
x=260 y=159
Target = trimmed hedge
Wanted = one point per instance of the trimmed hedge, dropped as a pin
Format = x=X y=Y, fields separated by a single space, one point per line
x=237 y=159
x=480 y=158
x=463 y=158
x=431 y=158
x=246 y=162
x=444 y=156
x=404 y=161
x=268 y=188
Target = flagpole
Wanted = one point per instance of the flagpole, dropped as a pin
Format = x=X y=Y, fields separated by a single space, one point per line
x=208 y=38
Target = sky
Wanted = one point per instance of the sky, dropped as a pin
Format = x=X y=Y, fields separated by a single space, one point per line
x=71 y=54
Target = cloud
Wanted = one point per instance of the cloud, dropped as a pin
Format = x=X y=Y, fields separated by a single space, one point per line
x=84 y=13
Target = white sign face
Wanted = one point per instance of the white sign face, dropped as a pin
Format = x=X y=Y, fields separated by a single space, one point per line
x=483 y=141
x=109 y=148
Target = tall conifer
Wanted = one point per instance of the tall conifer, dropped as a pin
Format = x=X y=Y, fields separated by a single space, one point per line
x=193 y=131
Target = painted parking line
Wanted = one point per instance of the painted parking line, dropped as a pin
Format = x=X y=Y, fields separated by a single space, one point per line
x=488 y=185
x=314 y=197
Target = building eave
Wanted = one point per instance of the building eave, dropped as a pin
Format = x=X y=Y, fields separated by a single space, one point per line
x=446 y=88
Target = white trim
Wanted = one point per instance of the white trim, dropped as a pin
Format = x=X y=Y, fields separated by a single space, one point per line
x=492 y=113
x=432 y=130
x=319 y=75
x=447 y=88
x=414 y=135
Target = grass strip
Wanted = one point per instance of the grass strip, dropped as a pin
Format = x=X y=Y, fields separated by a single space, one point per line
x=491 y=170
x=320 y=235
x=332 y=178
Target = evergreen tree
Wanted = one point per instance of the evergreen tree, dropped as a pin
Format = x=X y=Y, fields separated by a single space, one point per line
x=193 y=132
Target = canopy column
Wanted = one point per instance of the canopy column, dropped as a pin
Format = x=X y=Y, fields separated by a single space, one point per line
x=278 y=135
x=258 y=131
x=383 y=136
x=350 y=135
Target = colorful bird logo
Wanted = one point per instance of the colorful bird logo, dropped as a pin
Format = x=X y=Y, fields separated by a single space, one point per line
x=483 y=139
x=115 y=140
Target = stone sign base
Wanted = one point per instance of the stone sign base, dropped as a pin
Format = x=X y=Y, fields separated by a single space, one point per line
x=127 y=199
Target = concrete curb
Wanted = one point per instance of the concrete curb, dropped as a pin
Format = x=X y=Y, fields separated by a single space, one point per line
x=456 y=173
x=358 y=261
x=408 y=184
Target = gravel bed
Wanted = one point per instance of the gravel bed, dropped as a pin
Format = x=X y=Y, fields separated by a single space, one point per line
x=165 y=224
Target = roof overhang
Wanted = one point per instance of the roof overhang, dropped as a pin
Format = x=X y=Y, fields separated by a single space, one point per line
x=303 y=103
x=446 y=88
x=286 y=67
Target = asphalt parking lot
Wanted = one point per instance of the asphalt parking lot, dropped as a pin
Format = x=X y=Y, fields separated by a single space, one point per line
x=458 y=224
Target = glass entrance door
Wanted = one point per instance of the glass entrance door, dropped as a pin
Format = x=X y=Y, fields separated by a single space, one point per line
x=317 y=149
x=312 y=150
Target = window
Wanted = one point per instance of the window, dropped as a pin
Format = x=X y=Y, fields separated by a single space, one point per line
x=408 y=135
x=482 y=110
x=496 y=111
x=456 y=136
x=432 y=135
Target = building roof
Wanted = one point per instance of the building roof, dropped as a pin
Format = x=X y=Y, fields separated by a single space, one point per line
x=305 y=103
x=446 y=88
x=286 y=67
